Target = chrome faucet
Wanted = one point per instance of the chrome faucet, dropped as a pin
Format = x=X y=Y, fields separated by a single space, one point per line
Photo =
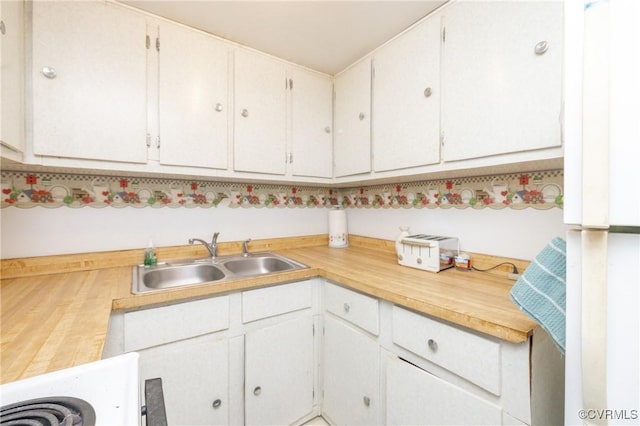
x=211 y=248
x=245 y=247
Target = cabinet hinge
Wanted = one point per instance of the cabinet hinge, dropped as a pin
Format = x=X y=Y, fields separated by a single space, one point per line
x=158 y=142
x=441 y=138
x=158 y=44
x=147 y=41
x=290 y=84
x=444 y=34
x=313 y=329
x=148 y=140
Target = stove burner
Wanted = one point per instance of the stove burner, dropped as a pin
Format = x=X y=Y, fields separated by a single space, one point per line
x=49 y=411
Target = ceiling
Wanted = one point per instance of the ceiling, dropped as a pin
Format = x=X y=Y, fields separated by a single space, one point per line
x=326 y=36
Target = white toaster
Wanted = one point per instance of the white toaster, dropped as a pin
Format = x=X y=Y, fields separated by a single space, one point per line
x=427 y=252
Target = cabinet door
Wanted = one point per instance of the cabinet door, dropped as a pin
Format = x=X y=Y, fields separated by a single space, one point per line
x=12 y=75
x=279 y=371
x=499 y=95
x=195 y=379
x=311 y=122
x=193 y=98
x=352 y=115
x=94 y=106
x=351 y=375
x=260 y=114
x=406 y=99
x=416 y=397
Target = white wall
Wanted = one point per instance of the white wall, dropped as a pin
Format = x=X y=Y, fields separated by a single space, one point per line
x=519 y=234
x=42 y=231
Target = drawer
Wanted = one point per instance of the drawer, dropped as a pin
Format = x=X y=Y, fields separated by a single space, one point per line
x=466 y=354
x=271 y=301
x=156 y=326
x=354 y=307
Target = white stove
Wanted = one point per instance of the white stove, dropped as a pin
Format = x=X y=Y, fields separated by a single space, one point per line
x=109 y=386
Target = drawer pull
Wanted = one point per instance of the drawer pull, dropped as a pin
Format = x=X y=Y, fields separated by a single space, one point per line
x=347 y=308
x=257 y=391
x=433 y=345
x=367 y=401
x=217 y=403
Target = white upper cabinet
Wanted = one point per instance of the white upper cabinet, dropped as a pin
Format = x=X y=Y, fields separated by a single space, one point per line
x=311 y=124
x=502 y=78
x=193 y=98
x=352 y=120
x=89 y=81
x=406 y=99
x=12 y=76
x=260 y=116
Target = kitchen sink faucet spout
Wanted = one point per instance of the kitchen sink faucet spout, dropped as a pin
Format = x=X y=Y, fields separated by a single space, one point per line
x=211 y=248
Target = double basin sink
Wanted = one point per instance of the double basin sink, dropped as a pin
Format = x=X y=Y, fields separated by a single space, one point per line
x=193 y=272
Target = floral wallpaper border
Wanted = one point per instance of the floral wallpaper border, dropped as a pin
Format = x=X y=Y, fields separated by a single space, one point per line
x=540 y=190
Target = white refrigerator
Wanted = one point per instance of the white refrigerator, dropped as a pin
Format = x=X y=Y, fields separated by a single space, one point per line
x=602 y=211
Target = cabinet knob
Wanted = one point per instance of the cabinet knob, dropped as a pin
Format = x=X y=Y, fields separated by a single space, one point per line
x=257 y=390
x=361 y=116
x=433 y=345
x=427 y=92
x=219 y=107
x=245 y=113
x=541 y=47
x=346 y=307
x=367 y=401
x=217 y=403
x=327 y=129
x=49 y=72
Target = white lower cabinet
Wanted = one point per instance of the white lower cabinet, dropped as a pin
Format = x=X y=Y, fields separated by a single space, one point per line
x=195 y=379
x=279 y=372
x=255 y=357
x=417 y=397
x=351 y=375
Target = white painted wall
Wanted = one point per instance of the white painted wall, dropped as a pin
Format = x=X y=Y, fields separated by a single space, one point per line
x=519 y=234
x=40 y=231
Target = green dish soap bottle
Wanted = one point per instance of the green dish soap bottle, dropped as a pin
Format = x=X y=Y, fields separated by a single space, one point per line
x=150 y=258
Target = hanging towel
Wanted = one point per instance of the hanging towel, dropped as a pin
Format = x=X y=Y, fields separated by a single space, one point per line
x=541 y=290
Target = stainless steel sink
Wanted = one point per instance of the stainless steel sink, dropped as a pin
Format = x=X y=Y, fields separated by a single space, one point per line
x=194 y=272
x=248 y=266
x=179 y=275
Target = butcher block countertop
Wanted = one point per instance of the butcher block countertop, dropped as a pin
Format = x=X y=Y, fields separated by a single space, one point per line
x=55 y=310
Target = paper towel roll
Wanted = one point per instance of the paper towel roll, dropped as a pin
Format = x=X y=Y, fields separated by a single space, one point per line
x=338 y=236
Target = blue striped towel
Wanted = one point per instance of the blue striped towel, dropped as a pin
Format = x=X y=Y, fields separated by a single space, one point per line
x=541 y=290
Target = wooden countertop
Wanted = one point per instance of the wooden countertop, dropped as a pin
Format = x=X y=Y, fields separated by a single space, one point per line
x=60 y=320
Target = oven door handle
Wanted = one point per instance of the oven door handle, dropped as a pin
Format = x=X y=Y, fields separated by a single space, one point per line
x=154 y=409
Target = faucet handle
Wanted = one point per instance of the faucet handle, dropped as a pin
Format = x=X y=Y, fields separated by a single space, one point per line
x=245 y=247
